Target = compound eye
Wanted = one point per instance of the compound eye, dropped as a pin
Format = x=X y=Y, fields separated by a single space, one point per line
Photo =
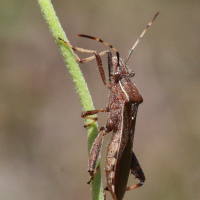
x=131 y=73
x=117 y=75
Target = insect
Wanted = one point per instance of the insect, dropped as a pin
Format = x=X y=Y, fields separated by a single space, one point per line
x=124 y=99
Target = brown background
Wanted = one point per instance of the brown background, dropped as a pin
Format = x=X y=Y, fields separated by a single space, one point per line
x=43 y=147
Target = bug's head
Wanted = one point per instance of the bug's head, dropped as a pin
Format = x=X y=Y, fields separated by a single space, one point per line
x=118 y=70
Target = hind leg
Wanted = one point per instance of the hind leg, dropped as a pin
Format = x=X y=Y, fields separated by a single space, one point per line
x=137 y=171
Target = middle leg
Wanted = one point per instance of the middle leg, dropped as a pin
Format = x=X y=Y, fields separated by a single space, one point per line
x=92 y=112
x=95 y=151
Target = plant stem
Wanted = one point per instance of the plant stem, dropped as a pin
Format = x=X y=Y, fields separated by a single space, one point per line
x=78 y=80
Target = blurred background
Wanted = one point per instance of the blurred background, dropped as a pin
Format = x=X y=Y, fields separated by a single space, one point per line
x=43 y=146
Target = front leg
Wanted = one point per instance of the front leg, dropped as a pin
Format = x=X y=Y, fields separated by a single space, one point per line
x=84 y=51
x=137 y=171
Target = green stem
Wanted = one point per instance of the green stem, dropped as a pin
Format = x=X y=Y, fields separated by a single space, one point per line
x=78 y=80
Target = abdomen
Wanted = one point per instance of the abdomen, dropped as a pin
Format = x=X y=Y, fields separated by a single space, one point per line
x=118 y=169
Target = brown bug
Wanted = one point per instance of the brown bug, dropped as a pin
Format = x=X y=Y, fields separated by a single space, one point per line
x=124 y=99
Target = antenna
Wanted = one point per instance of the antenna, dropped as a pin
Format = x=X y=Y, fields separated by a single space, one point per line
x=138 y=40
